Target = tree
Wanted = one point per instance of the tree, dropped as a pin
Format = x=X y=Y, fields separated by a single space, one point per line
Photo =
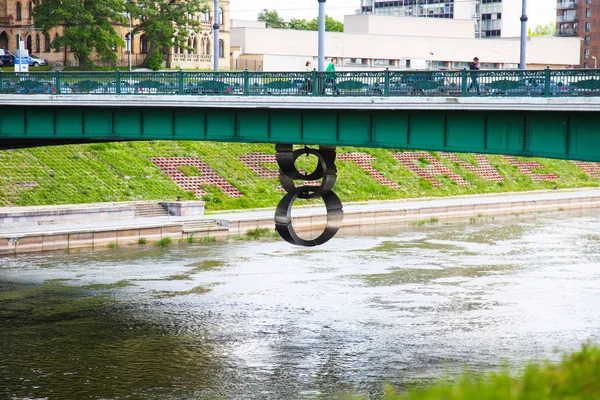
x=331 y=25
x=271 y=19
x=166 y=23
x=87 y=27
x=543 y=30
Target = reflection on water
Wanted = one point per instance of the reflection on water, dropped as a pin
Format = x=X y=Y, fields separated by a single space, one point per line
x=266 y=320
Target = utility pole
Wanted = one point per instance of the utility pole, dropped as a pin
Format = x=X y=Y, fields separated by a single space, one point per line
x=322 y=35
x=523 y=59
x=216 y=35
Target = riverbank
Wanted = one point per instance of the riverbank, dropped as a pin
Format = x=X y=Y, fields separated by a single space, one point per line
x=109 y=230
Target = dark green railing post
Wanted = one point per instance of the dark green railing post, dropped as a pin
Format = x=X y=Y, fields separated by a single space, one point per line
x=180 y=75
x=386 y=83
x=57 y=82
x=316 y=84
x=1 y=80
x=118 y=81
x=463 y=83
x=547 y=82
x=246 y=82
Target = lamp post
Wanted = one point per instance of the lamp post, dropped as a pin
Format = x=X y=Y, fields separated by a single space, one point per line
x=322 y=35
x=595 y=62
x=523 y=58
x=129 y=40
x=216 y=27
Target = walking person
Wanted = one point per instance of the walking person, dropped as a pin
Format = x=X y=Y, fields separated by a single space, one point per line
x=474 y=66
x=308 y=70
x=330 y=77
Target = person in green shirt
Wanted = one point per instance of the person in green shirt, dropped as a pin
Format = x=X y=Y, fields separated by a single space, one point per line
x=330 y=77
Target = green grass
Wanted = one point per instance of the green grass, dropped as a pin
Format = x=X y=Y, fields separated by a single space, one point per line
x=576 y=377
x=164 y=242
x=112 y=245
x=142 y=241
x=116 y=172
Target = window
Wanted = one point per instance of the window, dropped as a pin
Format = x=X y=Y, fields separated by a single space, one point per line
x=587 y=41
x=143 y=45
x=47 y=43
x=586 y=53
x=588 y=12
x=221 y=13
x=29 y=44
x=55 y=39
x=221 y=49
x=37 y=44
x=19 y=16
x=585 y=65
x=587 y=26
x=588 y=1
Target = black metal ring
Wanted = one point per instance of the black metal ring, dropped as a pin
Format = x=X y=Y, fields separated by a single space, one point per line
x=326 y=170
x=283 y=219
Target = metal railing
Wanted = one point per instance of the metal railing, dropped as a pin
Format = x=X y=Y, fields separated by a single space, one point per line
x=453 y=83
x=566 y=5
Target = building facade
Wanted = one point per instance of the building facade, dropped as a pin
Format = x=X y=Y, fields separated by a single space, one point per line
x=491 y=18
x=374 y=42
x=17 y=15
x=581 y=18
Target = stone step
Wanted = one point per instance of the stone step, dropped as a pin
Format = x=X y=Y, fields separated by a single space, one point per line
x=145 y=210
x=200 y=226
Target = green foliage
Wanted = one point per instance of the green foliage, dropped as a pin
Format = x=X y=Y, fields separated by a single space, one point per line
x=87 y=27
x=155 y=60
x=543 y=30
x=331 y=25
x=142 y=241
x=166 y=23
x=272 y=19
x=576 y=377
x=112 y=245
x=164 y=242
x=256 y=234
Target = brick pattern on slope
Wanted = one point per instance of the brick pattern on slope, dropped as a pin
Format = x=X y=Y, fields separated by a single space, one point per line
x=590 y=168
x=527 y=168
x=169 y=165
x=435 y=168
x=484 y=168
x=256 y=161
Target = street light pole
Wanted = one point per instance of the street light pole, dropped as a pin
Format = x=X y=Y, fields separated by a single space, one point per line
x=322 y=35
x=216 y=35
x=523 y=59
x=130 y=41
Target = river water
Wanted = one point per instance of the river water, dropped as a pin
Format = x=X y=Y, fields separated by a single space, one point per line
x=266 y=320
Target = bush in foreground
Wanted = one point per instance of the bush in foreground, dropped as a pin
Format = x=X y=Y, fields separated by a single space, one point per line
x=576 y=377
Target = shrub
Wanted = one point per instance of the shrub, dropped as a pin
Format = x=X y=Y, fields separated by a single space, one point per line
x=155 y=60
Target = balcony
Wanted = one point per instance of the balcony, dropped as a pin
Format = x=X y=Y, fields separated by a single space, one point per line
x=567 y=32
x=6 y=20
x=566 y=18
x=566 y=5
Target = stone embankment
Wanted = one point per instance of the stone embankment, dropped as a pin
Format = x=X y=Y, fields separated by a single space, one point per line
x=36 y=229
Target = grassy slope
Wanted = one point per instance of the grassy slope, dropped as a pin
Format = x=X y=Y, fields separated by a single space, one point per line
x=124 y=172
x=577 y=377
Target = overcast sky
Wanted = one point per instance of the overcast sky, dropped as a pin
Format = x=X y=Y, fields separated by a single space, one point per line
x=539 y=11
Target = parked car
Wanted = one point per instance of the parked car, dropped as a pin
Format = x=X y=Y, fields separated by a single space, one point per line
x=35 y=61
x=528 y=87
x=8 y=60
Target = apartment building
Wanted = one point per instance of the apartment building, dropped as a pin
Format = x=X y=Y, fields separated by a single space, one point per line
x=17 y=15
x=581 y=18
x=491 y=18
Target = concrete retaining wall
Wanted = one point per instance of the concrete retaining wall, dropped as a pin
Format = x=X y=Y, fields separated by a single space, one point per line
x=356 y=221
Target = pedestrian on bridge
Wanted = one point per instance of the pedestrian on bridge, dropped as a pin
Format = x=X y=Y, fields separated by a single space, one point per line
x=309 y=69
x=474 y=66
x=331 y=78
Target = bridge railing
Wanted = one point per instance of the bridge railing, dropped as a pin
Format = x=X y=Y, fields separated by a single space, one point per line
x=529 y=83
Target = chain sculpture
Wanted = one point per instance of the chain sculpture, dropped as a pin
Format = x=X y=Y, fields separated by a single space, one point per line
x=326 y=170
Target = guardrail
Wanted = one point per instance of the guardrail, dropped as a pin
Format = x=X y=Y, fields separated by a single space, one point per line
x=526 y=83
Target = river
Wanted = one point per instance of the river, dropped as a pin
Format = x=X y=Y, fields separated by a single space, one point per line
x=266 y=320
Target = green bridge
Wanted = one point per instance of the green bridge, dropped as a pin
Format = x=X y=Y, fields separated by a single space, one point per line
x=544 y=113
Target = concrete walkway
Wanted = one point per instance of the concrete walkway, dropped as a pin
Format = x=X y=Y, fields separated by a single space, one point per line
x=512 y=201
